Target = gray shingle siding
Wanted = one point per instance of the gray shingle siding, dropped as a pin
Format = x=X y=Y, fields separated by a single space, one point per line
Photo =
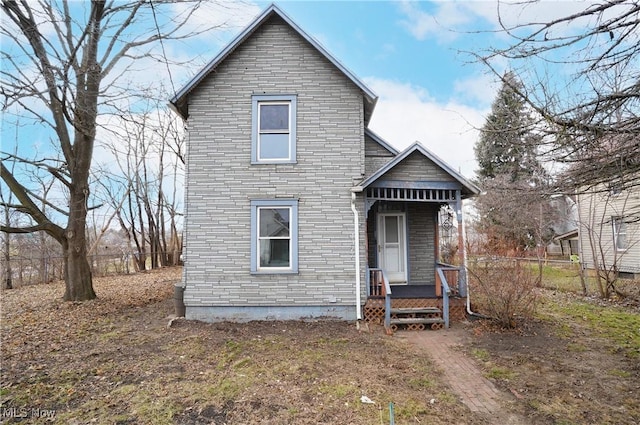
x=222 y=181
x=416 y=167
x=421 y=220
x=375 y=156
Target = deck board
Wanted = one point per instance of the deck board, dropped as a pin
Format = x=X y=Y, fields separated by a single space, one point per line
x=413 y=291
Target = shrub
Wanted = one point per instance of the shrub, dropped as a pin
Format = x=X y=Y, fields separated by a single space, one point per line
x=504 y=290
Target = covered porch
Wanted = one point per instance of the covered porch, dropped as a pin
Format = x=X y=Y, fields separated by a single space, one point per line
x=409 y=205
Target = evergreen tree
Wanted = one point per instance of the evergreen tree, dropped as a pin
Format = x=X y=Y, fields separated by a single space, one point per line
x=513 y=211
x=508 y=142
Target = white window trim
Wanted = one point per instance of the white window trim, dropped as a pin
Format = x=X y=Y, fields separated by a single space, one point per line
x=256 y=100
x=256 y=205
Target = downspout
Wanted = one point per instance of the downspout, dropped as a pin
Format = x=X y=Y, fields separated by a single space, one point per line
x=466 y=275
x=462 y=279
x=356 y=238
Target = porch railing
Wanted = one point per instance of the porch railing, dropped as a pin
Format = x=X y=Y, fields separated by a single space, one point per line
x=379 y=286
x=375 y=283
x=446 y=291
x=451 y=274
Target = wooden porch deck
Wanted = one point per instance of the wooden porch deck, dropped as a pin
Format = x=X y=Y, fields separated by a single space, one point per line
x=413 y=291
x=374 y=307
x=415 y=306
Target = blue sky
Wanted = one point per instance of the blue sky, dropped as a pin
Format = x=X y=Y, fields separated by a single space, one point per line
x=374 y=39
x=413 y=55
x=409 y=53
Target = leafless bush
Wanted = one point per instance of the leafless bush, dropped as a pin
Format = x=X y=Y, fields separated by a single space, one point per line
x=504 y=290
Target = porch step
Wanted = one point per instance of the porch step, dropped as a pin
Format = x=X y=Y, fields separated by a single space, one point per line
x=419 y=310
x=415 y=320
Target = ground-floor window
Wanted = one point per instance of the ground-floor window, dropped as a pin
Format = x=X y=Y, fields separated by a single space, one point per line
x=274 y=236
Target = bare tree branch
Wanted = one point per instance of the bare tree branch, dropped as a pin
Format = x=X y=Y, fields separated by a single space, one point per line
x=66 y=65
x=29 y=206
x=591 y=119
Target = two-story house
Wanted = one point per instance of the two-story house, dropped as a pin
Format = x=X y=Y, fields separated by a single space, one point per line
x=294 y=208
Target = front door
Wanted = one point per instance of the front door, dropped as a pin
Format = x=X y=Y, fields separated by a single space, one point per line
x=392 y=254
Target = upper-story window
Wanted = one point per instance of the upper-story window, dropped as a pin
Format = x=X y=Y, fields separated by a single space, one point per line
x=273 y=138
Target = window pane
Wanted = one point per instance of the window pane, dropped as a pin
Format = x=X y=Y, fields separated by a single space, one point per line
x=274 y=222
x=274 y=253
x=622 y=241
x=391 y=229
x=274 y=236
x=274 y=117
x=274 y=146
x=620 y=233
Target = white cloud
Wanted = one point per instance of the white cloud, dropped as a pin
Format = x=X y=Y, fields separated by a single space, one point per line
x=406 y=113
x=225 y=15
x=440 y=25
x=478 y=90
x=386 y=50
x=220 y=20
x=117 y=137
x=450 y=19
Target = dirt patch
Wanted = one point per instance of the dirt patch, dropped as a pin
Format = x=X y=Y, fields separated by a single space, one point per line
x=561 y=373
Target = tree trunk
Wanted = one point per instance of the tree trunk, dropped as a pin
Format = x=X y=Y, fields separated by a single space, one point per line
x=8 y=283
x=78 y=280
x=77 y=272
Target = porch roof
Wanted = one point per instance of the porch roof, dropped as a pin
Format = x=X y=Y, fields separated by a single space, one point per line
x=467 y=188
x=571 y=234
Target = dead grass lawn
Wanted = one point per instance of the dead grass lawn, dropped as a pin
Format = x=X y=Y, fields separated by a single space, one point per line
x=114 y=361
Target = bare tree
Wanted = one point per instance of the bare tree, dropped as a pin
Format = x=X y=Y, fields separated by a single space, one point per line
x=593 y=117
x=171 y=132
x=63 y=65
x=149 y=172
x=170 y=166
x=515 y=216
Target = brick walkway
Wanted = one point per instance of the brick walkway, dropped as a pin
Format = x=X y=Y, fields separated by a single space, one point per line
x=461 y=373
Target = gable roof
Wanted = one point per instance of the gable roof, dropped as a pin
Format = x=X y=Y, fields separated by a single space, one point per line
x=379 y=140
x=471 y=189
x=179 y=101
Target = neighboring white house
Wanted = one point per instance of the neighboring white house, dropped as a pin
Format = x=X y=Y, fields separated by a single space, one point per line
x=565 y=244
x=609 y=229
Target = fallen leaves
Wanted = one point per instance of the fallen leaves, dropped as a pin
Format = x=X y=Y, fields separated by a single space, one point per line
x=115 y=360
